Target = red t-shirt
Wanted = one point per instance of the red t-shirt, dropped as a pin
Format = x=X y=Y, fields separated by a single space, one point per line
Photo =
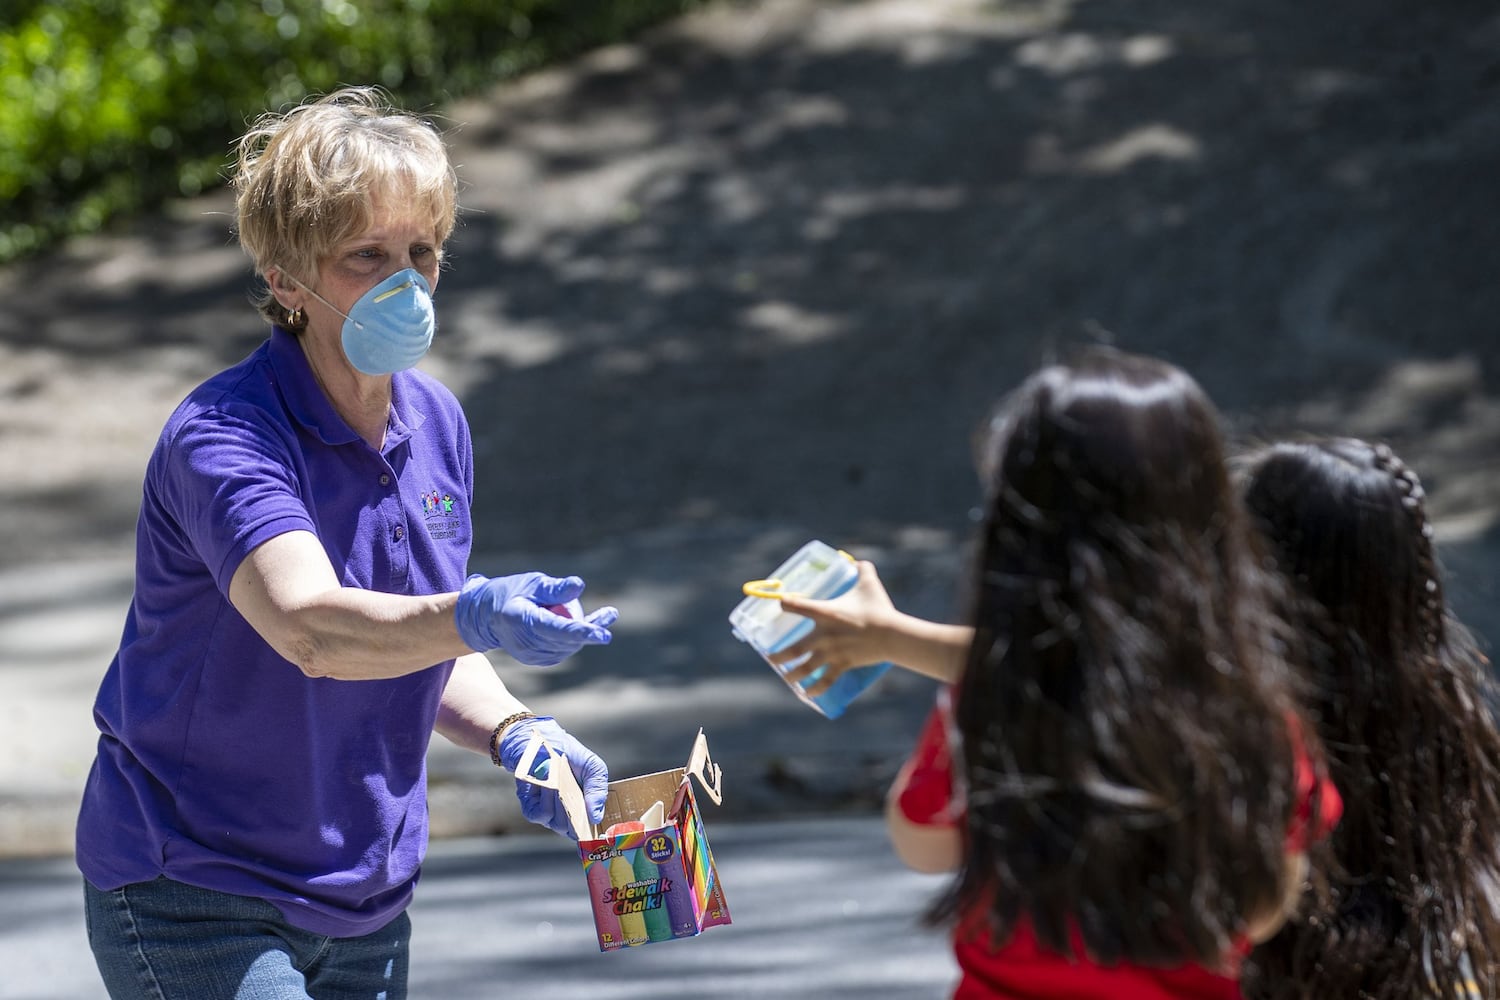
x=1022 y=968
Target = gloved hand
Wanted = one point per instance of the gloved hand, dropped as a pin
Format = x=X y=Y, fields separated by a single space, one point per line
x=542 y=805
x=507 y=612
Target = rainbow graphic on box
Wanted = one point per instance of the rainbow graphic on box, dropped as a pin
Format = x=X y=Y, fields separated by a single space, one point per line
x=651 y=875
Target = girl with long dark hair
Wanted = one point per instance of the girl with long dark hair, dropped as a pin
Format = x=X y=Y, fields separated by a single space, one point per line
x=1119 y=775
x=1403 y=701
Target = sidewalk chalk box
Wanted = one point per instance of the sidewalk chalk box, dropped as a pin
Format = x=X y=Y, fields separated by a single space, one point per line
x=658 y=884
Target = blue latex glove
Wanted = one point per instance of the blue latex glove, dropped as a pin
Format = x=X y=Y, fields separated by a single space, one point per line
x=509 y=613
x=542 y=805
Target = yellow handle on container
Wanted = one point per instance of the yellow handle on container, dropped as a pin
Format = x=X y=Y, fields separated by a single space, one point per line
x=773 y=589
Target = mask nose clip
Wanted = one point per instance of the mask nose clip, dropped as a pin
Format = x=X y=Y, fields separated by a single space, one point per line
x=394 y=291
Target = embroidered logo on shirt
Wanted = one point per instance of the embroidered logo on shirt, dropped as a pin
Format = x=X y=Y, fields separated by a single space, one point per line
x=442 y=514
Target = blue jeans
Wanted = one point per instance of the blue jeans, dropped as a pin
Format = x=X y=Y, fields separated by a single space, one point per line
x=164 y=940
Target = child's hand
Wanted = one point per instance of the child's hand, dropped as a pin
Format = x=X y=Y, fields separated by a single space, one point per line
x=851 y=630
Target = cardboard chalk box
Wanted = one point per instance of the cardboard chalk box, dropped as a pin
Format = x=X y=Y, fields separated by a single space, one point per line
x=648 y=867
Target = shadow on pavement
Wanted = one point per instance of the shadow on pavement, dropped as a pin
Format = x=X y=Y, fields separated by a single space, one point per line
x=754 y=279
x=821 y=909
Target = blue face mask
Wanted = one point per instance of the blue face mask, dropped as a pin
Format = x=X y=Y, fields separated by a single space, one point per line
x=389 y=328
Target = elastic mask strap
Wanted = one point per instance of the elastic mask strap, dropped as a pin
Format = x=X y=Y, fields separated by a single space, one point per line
x=358 y=325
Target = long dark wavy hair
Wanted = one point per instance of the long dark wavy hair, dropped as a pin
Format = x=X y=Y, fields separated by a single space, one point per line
x=1125 y=725
x=1403 y=701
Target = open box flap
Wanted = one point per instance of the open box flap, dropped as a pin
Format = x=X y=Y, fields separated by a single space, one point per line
x=560 y=777
x=701 y=766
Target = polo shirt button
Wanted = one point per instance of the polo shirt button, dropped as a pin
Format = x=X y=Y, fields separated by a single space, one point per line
x=400 y=532
x=385 y=480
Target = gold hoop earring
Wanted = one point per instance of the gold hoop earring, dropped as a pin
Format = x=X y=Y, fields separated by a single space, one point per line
x=294 y=317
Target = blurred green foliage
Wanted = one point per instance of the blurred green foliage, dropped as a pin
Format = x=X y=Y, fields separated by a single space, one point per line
x=109 y=106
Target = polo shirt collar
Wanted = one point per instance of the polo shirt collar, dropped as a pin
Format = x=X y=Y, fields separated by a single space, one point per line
x=405 y=417
x=311 y=407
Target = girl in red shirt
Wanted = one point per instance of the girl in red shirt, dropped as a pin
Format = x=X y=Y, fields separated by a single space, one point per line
x=1127 y=801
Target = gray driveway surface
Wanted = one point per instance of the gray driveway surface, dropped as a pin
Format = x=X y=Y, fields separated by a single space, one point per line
x=821 y=909
x=754 y=279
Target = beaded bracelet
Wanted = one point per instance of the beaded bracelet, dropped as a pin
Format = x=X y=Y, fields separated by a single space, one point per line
x=505 y=724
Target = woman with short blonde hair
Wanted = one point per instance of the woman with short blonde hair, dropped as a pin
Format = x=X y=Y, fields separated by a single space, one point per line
x=303 y=616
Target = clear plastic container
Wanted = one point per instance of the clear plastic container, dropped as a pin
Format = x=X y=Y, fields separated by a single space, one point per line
x=817 y=570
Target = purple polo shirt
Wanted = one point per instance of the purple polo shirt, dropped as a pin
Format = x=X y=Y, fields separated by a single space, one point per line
x=220 y=764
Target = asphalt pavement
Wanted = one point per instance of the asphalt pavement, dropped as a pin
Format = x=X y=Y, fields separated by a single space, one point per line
x=755 y=277
x=821 y=910
x=752 y=279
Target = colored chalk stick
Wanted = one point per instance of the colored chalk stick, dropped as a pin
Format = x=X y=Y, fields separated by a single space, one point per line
x=632 y=925
x=605 y=921
x=658 y=923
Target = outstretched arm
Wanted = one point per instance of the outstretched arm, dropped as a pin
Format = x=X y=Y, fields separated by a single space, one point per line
x=288 y=591
x=862 y=626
